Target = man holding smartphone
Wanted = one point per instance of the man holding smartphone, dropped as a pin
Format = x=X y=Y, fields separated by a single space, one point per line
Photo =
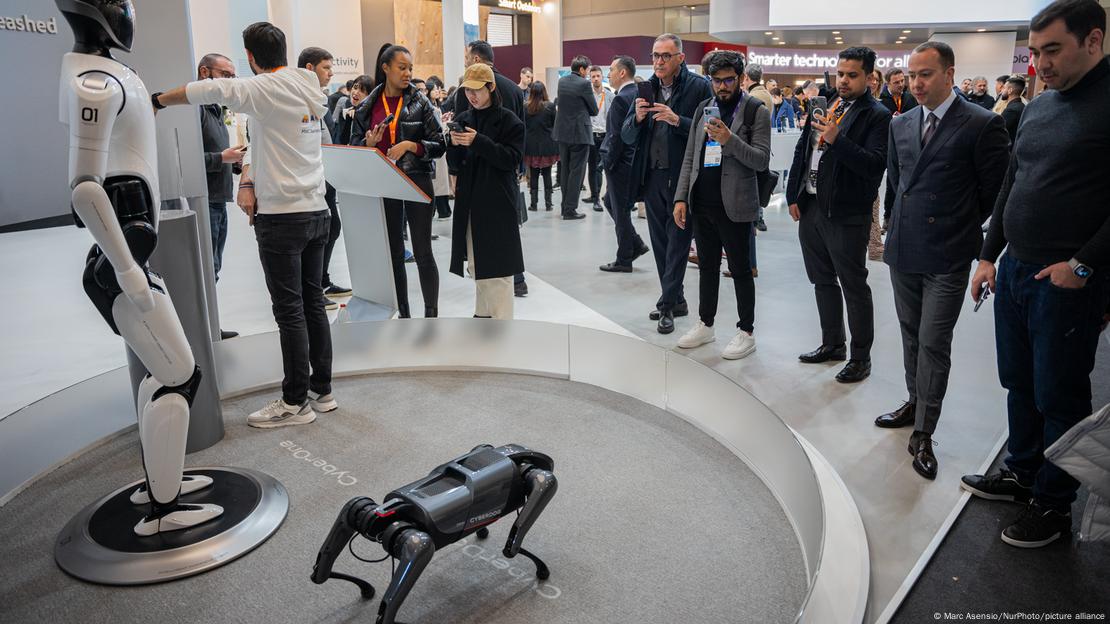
x=659 y=126
x=838 y=164
x=718 y=196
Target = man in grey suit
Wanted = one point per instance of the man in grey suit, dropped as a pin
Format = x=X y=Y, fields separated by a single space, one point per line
x=718 y=194
x=946 y=159
x=574 y=132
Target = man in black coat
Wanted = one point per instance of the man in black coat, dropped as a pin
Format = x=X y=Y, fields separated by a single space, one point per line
x=574 y=132
x=616 y=161
x=946 y=161
x=1014 y=89
x=898 y=100
x=659 y=130
x=838 y=165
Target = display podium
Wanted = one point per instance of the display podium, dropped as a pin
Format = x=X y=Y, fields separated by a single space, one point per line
x=362 y=177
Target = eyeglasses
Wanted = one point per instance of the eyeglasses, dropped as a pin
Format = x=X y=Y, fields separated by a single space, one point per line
x=665 y=56
x=724 y=82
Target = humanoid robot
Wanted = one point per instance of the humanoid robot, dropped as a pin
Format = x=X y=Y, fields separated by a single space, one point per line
x=459 y=498
x=113 y=174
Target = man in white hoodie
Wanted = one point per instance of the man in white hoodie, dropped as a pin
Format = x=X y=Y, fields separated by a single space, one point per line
x=282 y=194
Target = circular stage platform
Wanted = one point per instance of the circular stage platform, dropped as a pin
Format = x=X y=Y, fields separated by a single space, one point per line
x=681 y=497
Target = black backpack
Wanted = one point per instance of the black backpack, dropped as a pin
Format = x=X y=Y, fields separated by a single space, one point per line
x=766 y=180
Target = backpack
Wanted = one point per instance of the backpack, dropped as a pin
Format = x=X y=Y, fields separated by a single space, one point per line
x=766 y=180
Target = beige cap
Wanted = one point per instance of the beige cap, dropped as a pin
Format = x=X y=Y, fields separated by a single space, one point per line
x=477 y=76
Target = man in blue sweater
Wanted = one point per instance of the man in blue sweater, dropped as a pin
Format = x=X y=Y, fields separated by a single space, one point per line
x=1053 y=284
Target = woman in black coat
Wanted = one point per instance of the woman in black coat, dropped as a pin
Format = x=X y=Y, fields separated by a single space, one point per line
x=541 y=152
x=487 y=156
x=413 y=140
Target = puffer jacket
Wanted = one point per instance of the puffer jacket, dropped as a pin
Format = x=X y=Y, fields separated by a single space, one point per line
x=1084 y=452
x=418 y=123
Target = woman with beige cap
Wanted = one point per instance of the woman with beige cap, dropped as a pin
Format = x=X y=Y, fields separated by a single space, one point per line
x=486 y=148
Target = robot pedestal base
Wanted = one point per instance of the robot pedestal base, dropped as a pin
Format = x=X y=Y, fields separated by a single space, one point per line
x=99 y=545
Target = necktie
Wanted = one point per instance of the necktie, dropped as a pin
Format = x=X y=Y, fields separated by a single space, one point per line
x=930 y=128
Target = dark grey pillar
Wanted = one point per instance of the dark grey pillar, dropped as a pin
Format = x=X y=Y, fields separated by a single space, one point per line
x=178 y=260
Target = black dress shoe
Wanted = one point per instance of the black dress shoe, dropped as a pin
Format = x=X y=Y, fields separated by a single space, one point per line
x=641 y=251
x=825 y=353
x=613 y=267
x=572 y=216
x=225 y=334
x=589 y=200
x=900 y=417
x=681 y=309
x=520 y=290
x=855 y=371
x=666 y=323
x=924 y=462
x=533 y=208
x=598 y=208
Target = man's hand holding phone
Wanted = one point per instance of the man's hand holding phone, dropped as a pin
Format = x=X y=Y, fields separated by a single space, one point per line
x=233 y=154
x=643 y=107
x=985 y=275
x=664 y=114
x=717 y=130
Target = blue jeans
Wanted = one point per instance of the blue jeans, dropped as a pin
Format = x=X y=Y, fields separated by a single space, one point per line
x=217 y=219
x=1046 y=337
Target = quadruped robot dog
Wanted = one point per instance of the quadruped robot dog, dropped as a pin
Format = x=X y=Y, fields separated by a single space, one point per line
x=457 y=499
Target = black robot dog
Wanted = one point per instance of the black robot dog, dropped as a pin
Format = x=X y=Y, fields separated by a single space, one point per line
x=459 y=498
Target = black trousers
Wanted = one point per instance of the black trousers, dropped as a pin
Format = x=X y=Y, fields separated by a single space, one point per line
x=835 y=256
x=593 y=166
x=572 y=160
x=714 y=231
x=443 y=206
x=534 y=185
x=333 y=232
x=669 y=243
x=291 y=248
x=619 y=205
x=419 y=217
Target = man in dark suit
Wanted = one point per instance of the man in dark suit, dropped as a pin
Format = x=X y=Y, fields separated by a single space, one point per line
x=659 y=129
x=1014 y=89
x=616 y=161
x=574 y=133
x=838 y=165
x=946 y=161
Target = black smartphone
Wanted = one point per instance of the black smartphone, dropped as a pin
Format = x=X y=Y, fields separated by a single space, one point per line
x=645 y=91
x=982 y=297
x=455 y=126
x=388 y=119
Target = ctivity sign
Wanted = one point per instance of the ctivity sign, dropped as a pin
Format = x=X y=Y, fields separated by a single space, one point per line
x=26 y=24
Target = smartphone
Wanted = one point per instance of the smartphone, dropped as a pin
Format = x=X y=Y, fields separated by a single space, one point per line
x=388 y=120
x=713 y=111
x=819 y=105
x=986 y=292
x=646 y=92
x=455 y=126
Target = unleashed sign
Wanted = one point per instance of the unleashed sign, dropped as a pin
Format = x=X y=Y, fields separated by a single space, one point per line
x=788 y=61
x=26 y=24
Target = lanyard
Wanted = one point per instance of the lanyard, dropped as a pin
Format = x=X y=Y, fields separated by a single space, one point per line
x=897 y=103
x=835 y=122
x=392 y=124
x=601 y=104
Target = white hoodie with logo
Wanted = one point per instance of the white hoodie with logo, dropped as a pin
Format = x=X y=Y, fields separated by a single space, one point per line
x=285 y=108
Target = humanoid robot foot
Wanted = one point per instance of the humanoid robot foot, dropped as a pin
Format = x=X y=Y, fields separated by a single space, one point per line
x=459 y=498
x=189 y=484
x=177 y=517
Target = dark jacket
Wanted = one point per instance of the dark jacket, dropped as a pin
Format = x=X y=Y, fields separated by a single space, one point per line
x=341 y=133
x=213 y=132
x=333 y=99
x=986 y=100
x=538 y=141
x=909 y=102
x=417 y=123
x=1012 y=116
x=614 y=151
x=486 y=194
x=576 y=106
x=944 y=192
x=690 y=90
x=852 y=168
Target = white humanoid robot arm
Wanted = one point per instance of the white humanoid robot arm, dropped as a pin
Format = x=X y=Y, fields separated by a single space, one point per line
x=95 y=99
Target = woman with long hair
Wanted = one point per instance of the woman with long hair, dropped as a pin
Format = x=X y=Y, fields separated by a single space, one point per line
x=487 y=154
x=345 y=109
x=413 y=140
x=540 y=150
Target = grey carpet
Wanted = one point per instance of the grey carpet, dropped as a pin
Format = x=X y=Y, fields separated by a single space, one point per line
x=653 y=520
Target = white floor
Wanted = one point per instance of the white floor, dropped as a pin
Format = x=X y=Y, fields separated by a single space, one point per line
x=52 y=337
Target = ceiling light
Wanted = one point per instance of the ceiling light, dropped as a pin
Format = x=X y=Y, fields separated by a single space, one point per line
x=782 y=43
x=980 y=30
x=836 y=32
x=901 y=38
x=907 y=31
x=774 y=38
x=769 y=32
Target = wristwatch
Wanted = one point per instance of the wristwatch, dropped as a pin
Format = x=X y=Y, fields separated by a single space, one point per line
x=154 y=101
x=1081 y=270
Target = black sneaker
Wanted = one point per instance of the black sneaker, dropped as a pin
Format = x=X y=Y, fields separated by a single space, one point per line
x=761 y=225
x=337 y=291
x=1000 y=486
x=520 y=290
x=1036 y=527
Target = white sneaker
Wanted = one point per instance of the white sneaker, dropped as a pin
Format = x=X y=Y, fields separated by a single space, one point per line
x=322 y=402
x=741 y=346
x=281 y=414
x=184 y=517
x=697 y=336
